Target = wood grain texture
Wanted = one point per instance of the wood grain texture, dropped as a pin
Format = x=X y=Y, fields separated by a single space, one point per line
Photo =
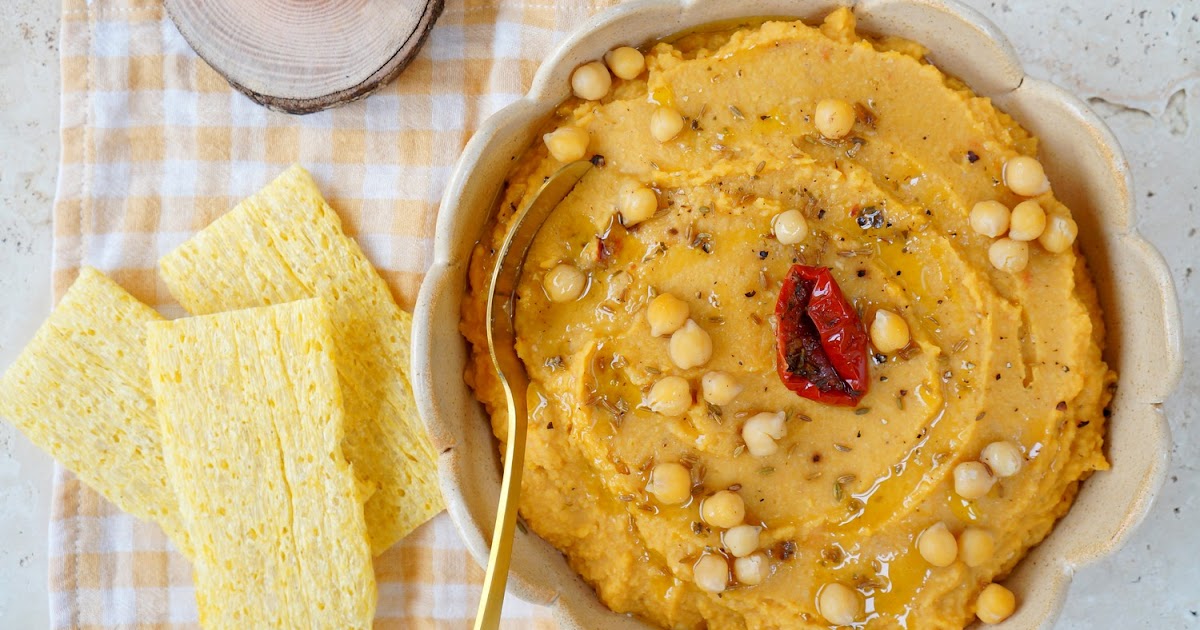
x=301 y=57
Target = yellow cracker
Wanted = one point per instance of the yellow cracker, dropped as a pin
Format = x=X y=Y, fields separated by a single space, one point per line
x=285 y=243
x=81 y=391
x=252 y=425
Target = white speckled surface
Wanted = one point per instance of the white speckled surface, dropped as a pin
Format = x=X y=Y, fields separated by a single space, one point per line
x=1137 y=63
x=28 y=164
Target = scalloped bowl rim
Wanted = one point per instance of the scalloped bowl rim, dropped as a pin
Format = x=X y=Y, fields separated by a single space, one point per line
x=1143 y=297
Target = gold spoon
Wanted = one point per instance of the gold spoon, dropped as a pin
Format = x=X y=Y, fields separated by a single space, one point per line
x=502 y=347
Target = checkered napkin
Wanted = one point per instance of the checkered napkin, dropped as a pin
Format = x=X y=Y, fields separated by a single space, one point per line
x=155 y=145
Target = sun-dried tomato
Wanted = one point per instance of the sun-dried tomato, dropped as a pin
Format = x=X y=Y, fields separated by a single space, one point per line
x=820 y=340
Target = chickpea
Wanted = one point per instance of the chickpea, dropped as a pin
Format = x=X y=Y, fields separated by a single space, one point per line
x=995 y=604
x=564 y=283
x=670 y=483
x=723 y=509
x=690 y=346
x=976 y=546
x=972 y=480
x=839 y=604
x=1028 y=221
x=567 y=144
x=625 y=62
x=990 y=218
x=591 y=81
x=760 y=432
x=790 y=227
x=889 y=332
x=937 y=545
x=1025 y=176
x=741 y=540
x=1004 y=458
x=1059 y=234
x=637 y=205
x=665 y=124
x=834 y=118
x=750 y=570
x=666 y=314
x=719 y=388
x=711 y=572
x=670 y=396
x=1009 y=255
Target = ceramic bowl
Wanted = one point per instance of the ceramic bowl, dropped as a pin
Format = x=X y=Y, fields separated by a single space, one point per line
x=1089 y=174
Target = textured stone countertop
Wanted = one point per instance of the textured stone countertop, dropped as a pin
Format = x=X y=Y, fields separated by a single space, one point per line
x=1137 y=63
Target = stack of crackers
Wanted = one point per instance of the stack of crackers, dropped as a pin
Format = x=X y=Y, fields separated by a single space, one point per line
x=273 y=435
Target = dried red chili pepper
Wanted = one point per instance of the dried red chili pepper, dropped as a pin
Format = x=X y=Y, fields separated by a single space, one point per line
x=821 y=342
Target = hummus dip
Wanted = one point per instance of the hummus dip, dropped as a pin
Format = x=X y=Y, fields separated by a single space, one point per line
x=896 y=512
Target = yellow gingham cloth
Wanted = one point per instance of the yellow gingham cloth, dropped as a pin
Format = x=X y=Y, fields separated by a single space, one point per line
x=155 y=145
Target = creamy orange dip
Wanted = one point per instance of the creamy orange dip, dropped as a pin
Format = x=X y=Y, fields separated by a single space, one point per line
x=855 y=515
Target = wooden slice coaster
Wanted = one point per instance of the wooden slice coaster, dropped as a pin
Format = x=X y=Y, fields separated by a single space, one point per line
x=302 y=56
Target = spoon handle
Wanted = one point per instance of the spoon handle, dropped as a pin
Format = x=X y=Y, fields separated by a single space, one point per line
x=502 y=345
x=494 y=582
